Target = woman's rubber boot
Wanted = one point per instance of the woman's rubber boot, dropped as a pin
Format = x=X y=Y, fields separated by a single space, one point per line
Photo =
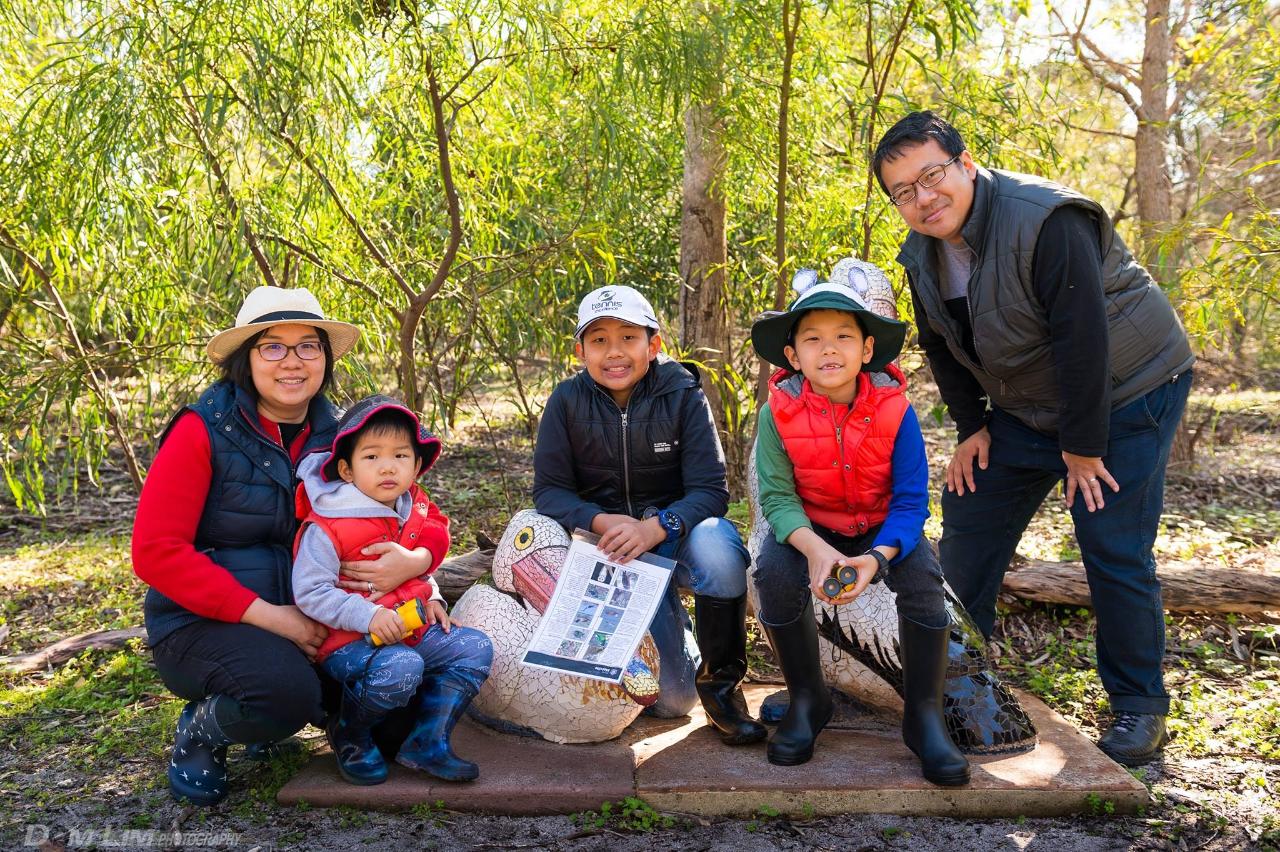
x=288 y=748
x=924 y=729
x=198 y=766
x=350 y=734
x=795 y=645
x=720 y=625
x=441 y=703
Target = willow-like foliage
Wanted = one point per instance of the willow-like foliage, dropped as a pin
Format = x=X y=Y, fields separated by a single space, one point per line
x=454 y=176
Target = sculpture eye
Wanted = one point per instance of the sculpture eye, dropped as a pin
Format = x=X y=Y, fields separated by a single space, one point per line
x=524 y=538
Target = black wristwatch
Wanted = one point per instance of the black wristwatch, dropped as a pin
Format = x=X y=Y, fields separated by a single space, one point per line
x=882 y=562
x=667 y=519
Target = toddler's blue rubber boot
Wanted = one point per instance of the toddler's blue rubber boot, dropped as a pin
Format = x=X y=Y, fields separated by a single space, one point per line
x=350 y=733
x=441 y=703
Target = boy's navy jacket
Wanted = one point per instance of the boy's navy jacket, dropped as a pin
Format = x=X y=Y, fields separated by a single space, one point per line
x=661 y=451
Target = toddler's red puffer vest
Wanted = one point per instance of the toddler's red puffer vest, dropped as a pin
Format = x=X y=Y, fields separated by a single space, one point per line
x=351 y=535
x=843 y=471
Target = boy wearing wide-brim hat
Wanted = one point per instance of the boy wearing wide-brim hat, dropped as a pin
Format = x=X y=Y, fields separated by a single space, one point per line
x=844 y=481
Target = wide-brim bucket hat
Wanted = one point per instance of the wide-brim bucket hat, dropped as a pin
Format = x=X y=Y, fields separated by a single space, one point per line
x=771 y=333
x=266 y=306
x=356 y=416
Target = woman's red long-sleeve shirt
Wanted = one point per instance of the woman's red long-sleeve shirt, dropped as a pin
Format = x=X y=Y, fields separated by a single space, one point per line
x=164 y=529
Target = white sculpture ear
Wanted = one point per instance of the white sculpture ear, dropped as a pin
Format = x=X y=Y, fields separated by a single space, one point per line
x=870 y=284
x=803 y=280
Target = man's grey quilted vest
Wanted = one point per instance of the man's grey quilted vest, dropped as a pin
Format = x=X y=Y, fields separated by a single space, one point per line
x=1146 y=343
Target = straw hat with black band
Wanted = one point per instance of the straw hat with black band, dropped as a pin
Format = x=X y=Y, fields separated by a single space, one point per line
x=266 y=306
x=771 y=334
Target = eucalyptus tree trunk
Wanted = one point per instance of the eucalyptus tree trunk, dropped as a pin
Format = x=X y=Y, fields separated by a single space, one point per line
x=704 y=249
x=1155 y=190
x=704 y=325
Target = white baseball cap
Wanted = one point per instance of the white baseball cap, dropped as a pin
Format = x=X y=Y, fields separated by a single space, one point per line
x=619 y=302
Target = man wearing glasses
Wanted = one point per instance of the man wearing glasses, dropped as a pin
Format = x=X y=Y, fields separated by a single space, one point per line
x=1059 y=358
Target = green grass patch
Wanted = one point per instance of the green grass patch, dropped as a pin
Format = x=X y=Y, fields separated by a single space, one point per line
x=102 y=706
x=631 y=814
x=1211 y=718
x=56 y=589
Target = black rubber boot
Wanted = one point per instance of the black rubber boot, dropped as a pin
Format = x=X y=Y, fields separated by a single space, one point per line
x=198 y=766
x=924 y=669
x=795 y=645
x=351 y=738
x=720 y=625
x=441 y=703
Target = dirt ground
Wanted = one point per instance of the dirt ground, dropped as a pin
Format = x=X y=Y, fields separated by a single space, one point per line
x=82 y=748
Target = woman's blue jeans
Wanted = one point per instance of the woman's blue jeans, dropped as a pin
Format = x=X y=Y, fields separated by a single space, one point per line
x=981 y=530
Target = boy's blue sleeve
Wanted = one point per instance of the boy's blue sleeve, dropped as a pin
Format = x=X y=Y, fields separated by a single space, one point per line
x=706 y=490
x=555 y=488
x=909 y=505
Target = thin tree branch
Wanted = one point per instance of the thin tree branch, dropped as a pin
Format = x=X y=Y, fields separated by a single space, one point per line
x=870 y=122
x=100 y=386
x=224 y=189
x=316 y=261
x=1096 y=132
x=379 y=256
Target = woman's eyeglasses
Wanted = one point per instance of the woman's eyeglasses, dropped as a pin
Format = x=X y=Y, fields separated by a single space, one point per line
x=307 y=350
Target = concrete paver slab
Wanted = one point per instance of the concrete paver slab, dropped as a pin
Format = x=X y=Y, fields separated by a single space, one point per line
x=871 y=771
x=518 y=775
x=681 y=765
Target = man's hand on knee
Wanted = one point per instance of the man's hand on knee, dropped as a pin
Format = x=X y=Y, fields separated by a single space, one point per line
x=960 y=470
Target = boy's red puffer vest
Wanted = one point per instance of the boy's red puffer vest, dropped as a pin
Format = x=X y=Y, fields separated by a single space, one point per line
x=351 y=535
x=843 y=471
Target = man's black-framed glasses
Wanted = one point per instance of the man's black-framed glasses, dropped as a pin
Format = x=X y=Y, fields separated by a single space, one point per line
x=307 y=350
x=932 y=177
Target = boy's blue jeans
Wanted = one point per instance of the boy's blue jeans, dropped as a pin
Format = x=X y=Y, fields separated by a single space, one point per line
x=981 y=530
x=711 y=560
x=388 y=676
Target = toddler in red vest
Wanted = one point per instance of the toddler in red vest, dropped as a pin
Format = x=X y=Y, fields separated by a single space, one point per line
x=843 y=481
x=363 y=492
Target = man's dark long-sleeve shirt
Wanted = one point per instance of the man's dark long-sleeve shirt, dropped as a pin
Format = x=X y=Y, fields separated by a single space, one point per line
x=1067 y=279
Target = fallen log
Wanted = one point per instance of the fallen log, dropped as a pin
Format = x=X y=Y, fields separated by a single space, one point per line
x=65 y=649
x=457 y=573
x=1187 y=588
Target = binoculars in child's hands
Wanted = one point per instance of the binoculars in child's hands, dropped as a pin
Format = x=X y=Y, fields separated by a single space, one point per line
x=843 y=579
x=412 y=613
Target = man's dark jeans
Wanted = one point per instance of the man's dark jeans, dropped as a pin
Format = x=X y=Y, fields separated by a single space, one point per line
x=981 y=529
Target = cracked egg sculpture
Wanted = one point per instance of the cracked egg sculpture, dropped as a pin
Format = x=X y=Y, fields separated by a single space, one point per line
x=536 y=702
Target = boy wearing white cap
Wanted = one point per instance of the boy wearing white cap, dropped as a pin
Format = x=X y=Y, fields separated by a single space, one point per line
x=628 y=449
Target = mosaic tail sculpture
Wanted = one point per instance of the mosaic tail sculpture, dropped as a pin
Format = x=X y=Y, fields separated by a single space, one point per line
x=536 y=702
x=858 y=643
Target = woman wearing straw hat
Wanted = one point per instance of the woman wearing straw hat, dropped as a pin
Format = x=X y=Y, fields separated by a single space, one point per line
x=214 y=532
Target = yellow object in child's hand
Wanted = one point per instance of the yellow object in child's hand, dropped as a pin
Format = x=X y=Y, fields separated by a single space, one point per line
x=413 y=616
x=844 y=580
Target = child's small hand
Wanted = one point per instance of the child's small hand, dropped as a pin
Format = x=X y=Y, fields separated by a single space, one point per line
x=625 y=542
x=435 y=612
x=823 y=559
x=388 y=626
x=866 y=566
